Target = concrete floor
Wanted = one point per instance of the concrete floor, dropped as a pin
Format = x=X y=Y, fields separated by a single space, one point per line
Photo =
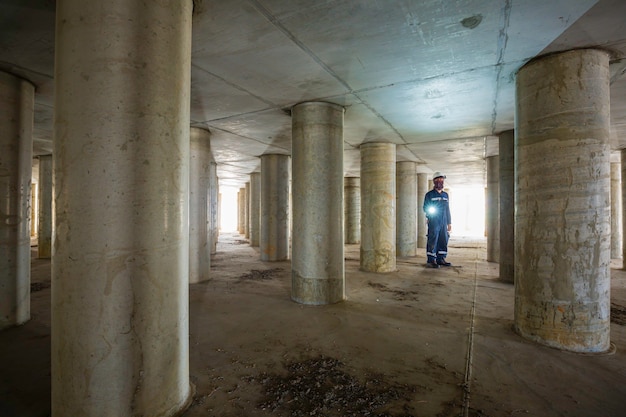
x=441 y=340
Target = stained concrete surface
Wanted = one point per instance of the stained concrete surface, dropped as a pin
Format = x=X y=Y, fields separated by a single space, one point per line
x=440 y=341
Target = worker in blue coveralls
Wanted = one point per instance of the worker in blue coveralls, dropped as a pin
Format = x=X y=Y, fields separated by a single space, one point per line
x=437 y=210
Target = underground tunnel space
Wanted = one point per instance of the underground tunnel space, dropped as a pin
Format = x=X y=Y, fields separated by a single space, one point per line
x=416 y=342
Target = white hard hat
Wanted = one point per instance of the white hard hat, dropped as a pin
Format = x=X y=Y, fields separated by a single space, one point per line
x=438 y=175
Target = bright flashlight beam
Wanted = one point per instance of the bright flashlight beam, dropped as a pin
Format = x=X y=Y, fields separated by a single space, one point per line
x=431 y=210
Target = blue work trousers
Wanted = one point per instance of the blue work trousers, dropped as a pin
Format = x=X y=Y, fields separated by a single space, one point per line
x=437 y=243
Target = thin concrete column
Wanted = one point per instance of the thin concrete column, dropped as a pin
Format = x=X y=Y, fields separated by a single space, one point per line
x=120 y=265
x=623 y=208
x=274 y=236
x=255 y=208
x=493 y=208
x=378 y=207
x=406 y=203
x=44 y=209
x=199 y=204
x=616 y=211
x=422 y=227
x=247 y=209
x=214 y=208
x=17 y=103
x=352 y=209
x=317 y=265
x=506 y=197
x=563 y=210
x=241 y=206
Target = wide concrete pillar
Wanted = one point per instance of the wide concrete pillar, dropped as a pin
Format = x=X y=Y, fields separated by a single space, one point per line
x=199 y=205
x=352 y=209
x=406 y=208
x=616 y=211
x=214 y=208
x=506 y=197
x=422 y=227
x=120 y=264
x=492 y=212
x=44 y=210
x=17 y=103
x=255 y=208
x=563 y=210
x=317 y=264
x=274 y=236
x=378 y=207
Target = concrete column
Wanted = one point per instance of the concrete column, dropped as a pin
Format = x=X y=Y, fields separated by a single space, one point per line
x=247 y=209
x=120 y=265
x=274 y=236
x=352 y=209
x=17 y=102
x=422 y=227
x=378 y=211
x=241 y=206
x=199 y=204
x=255 y=208
x=623 y=208
x=214 y=208
x=317 y=266
x=616 y=211
x=506 y=197
x=406 y=203
x=44 y=212
x=492 y=212
x=563 y=207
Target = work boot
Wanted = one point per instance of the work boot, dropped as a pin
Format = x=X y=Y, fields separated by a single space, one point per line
x=443 y=262
x=432 y=265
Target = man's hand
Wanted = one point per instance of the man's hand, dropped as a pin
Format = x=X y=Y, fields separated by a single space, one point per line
x=449 y=228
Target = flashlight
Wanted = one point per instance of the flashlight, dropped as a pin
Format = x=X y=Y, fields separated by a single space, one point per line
x=431 y=210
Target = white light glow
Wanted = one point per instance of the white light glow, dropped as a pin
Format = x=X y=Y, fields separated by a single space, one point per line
x=229 y=209
x=467 y=207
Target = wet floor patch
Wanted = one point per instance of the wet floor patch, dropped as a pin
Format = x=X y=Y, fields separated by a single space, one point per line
x=321 y=387
x=618 y=314
x=38 y=286
x=399 y=295
x=261 y=275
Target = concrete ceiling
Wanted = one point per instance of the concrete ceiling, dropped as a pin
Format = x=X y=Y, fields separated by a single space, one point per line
x=435 y=77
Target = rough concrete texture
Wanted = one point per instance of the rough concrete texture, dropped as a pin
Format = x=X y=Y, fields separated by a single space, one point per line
x=255 y=208
x=445 y=334
x=492 y=209
x=275 y=211
x=121 y=175
x=616 y=211
x=247 y=211
x=406 y=209
x=199 y=205
x=44 y=209
x=422 y=226
x=378 y=207
x=563 y=207
x=317 y=193
x=17 y=101
x=215 y=207
x=506 y=197
x=352 y=209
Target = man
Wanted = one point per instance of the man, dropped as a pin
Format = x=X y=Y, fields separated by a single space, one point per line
x=437 y=210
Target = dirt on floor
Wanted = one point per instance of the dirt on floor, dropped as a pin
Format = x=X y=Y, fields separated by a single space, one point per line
x=415 y=342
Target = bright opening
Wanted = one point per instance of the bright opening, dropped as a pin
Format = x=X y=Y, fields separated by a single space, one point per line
x=467 y=207
x=229 y=209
